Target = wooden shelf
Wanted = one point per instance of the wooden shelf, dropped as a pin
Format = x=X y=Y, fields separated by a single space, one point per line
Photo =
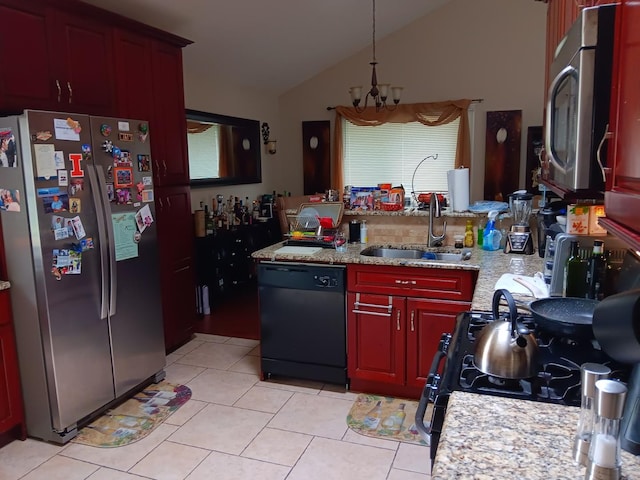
x=631 y=238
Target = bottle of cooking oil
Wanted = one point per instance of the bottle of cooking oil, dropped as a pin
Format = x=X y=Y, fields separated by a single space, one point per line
x=468 y=234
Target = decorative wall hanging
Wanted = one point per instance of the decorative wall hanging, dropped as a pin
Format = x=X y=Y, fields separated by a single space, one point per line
x=502 y=154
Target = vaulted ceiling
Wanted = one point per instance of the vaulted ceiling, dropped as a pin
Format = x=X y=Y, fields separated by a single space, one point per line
x=276 y=44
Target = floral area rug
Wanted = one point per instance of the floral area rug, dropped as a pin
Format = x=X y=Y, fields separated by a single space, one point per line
x=385 y=417
x=136 y=418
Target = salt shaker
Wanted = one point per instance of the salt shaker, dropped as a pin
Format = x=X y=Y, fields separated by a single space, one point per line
x=604 y=461
x=590 y=373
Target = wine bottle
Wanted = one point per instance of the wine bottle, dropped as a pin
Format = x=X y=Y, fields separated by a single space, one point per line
x=575 y=273
x=372 y=419
x=596 y=271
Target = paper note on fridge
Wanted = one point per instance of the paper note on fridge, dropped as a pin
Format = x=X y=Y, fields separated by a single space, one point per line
x=45 y=160
x=124 y=230
x=64 y=131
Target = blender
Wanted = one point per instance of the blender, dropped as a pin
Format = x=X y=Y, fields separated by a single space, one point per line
x=519 y=238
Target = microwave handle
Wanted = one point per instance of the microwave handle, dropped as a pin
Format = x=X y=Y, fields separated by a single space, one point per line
x=553 y=88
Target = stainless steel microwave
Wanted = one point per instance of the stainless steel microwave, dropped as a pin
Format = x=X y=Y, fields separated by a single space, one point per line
x=578 y=101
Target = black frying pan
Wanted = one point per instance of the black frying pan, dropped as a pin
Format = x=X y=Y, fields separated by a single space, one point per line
x=564 y=316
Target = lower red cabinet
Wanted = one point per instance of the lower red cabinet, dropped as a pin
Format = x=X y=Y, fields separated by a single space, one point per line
x=11 y=410
x=393 y=336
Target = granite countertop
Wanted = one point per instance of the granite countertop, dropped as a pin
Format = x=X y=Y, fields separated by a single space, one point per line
x=489 y=265
x=4 y=285
x=488 y=437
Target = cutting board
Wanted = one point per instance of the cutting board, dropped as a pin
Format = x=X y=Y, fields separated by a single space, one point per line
x=298 y=250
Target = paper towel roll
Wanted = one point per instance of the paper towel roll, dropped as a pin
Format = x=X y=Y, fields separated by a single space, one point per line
x=458 y=182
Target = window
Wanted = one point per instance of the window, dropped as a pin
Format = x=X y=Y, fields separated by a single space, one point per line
x=390 y=153
x=204 y=155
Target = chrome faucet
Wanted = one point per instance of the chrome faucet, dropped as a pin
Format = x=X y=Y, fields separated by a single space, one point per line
x=435 y=212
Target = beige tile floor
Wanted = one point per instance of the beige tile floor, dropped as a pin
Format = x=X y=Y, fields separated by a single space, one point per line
x=235 y=427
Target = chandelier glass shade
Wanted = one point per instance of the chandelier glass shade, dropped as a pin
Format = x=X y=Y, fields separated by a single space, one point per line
x=378 y=93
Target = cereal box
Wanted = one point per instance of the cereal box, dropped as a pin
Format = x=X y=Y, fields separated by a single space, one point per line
x=595 y=212
x=578 y=219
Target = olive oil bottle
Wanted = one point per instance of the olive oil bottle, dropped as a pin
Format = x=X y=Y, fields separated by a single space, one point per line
x=575 y=273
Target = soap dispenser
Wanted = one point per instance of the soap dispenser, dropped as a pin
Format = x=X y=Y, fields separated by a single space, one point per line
x=363 y=231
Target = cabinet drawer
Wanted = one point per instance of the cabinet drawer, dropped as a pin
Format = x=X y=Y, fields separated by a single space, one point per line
x=446 y=284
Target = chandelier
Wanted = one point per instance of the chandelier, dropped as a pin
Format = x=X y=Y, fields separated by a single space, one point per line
x=378 y=93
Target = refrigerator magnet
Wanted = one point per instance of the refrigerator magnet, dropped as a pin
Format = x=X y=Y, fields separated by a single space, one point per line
x=123 y=196
x=105 y=130
x=43 y=135
x=9 y=200
x=74 y=205
x=66 y=129
x=111 y=195
x=144 y=218
x=76 y=170
x=125 y=159
x=107 y=146
x=144 y=163
x=125 y=137
x=143 y=131
x=63 y=178
x=147 y=196
x=77 y=185
x=86 y=152
x=123 y=177
x=147 y=181
x=78 y=228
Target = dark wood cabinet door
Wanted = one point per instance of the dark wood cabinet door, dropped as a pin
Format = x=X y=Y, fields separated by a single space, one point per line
x=133 y=75
x=622 y=202
x=27 y=78
x=427 y=320
x=168 y=124
x=11 y=410
x=84 y=47
x=175 y=237
x=376 y=338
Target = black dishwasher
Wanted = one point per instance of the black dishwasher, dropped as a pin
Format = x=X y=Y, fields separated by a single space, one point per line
x=303 y=321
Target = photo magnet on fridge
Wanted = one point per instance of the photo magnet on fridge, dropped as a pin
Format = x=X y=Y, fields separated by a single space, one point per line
x=74 y=205
x=9 y=200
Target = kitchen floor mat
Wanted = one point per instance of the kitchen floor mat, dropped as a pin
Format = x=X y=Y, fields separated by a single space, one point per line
x=136 y=418
x=385 y=417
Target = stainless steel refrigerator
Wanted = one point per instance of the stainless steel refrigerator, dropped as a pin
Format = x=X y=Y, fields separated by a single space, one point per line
x=76 y=199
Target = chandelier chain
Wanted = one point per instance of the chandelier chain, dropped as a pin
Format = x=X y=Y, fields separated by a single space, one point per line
x=374 y=30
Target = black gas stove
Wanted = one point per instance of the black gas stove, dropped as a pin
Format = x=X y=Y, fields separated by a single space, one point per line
x=557 y=379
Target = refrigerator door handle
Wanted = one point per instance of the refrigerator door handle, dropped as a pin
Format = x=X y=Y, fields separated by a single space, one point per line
x=113 y=290
x=104 y=271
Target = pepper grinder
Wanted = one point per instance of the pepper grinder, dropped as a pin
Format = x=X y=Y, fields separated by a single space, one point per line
x=604 y=461
x=590 y=373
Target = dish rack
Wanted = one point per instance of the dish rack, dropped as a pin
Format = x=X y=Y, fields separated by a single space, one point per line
x=315 y=224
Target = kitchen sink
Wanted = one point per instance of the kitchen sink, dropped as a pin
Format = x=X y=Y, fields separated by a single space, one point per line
x=415 y=254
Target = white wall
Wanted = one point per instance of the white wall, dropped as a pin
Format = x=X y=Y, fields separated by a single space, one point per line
x=489 y=49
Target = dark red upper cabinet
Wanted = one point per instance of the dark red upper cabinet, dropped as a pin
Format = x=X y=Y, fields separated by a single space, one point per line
x=622 y=201
x=27 y=79
x=168 y=125
x=86 y=65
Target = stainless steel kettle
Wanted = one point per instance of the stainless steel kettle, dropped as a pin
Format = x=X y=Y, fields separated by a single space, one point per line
x=506 y=349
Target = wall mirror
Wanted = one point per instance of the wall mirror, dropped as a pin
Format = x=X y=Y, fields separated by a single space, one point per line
x=223 y=150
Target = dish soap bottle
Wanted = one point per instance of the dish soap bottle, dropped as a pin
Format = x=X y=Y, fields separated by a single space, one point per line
x=492 y=236
x=468 y=234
